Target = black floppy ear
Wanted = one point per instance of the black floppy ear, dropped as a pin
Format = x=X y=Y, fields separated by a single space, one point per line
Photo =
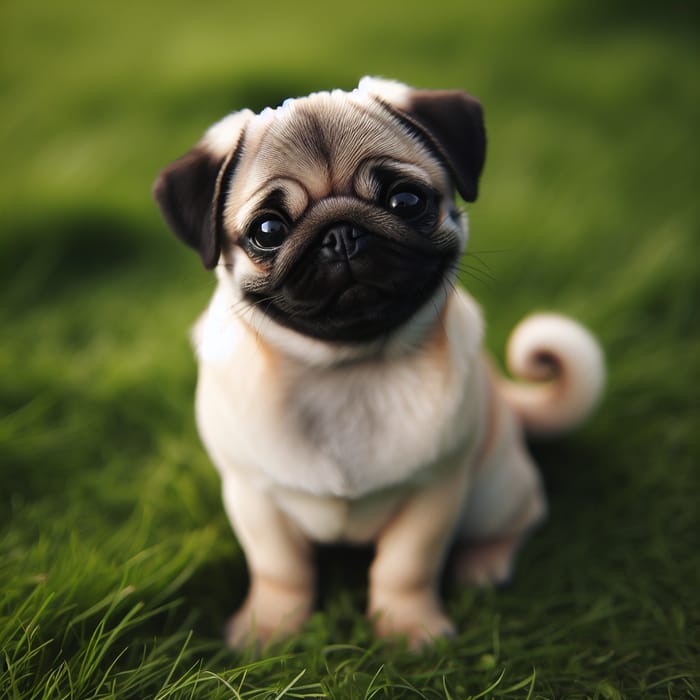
x=191 y=190
x=185 y=191
x=449 y=121
x=454 y=120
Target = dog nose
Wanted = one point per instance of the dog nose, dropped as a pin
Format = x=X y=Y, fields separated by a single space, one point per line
x=343 y=240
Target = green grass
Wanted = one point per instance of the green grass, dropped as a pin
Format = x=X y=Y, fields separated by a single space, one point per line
x=117 y=565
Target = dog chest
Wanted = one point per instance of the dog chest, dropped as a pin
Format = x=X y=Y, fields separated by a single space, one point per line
x=345 y=431
x=378 y=424
x=344 y=435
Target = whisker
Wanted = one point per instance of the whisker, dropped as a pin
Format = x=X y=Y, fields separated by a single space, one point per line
x=481 y=261
x=494 y=251
x=481 y=265
x=482 y=276
x=479 y=276
x=474 y=269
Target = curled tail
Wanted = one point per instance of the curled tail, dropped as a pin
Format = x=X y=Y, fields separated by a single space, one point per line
x=561 y=370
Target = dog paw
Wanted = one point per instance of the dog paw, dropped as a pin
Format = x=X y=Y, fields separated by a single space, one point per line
x=486 y=563
x=417 y=633
x=243 y=629
x=417 y=617
x=266 y=618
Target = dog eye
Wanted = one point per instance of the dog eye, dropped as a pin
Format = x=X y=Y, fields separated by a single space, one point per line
x=268 y=234
x=406 y=203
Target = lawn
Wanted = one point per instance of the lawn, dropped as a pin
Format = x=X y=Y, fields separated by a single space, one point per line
x=117 y=564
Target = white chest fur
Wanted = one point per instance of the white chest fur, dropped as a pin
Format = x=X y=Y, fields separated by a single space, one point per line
x=334 y=445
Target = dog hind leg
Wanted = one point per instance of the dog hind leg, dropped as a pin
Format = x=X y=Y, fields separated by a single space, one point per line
x=505 y=502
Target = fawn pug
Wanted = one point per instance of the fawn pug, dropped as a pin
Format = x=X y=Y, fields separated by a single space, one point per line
x=343 y=394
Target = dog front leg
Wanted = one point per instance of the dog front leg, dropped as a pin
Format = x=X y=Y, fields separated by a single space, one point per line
x=281 y=593
x=410 y=552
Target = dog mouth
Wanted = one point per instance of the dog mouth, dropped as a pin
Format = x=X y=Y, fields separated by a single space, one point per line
x=354 y=286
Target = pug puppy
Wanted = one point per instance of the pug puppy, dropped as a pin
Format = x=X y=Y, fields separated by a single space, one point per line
x=343 y=394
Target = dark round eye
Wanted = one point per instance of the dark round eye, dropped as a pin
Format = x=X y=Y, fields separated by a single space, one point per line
x=406 y=203
x=268 y=234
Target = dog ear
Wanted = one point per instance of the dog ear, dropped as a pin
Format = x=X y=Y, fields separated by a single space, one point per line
x=451 y=120
x=190 y=191
x=455 y=121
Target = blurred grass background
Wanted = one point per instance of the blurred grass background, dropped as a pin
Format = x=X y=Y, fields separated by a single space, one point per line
x=117 y=565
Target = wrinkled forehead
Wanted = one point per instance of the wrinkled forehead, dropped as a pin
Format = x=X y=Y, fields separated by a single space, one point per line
x=321 y=141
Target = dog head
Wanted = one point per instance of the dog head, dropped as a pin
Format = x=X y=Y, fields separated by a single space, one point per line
x=333 y=215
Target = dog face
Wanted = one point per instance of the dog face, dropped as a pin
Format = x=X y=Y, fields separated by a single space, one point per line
x=333 y=216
